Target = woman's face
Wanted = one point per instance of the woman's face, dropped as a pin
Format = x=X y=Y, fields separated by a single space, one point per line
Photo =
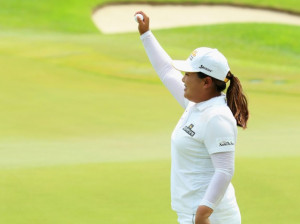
x=193 y=87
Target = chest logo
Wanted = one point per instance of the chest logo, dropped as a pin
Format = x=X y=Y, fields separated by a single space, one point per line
x=188 y=129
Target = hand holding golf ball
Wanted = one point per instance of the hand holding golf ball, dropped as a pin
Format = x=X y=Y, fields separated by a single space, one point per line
x=143 y=20
x=140 y=16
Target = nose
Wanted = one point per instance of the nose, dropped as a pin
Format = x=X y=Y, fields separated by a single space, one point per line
x=183 y=78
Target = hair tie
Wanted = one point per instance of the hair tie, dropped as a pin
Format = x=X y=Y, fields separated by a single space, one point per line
x=229 y=76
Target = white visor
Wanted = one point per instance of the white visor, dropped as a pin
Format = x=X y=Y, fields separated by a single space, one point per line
x=206 y=60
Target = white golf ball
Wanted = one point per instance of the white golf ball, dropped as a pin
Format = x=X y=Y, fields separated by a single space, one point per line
x=140 y=16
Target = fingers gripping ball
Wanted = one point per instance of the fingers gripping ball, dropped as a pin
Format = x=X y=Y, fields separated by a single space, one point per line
x=140 y=16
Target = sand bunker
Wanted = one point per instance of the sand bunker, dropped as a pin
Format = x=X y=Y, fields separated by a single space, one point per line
x=119 y=18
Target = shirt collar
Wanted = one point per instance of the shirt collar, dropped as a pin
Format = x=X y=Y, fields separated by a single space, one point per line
x=218 y=100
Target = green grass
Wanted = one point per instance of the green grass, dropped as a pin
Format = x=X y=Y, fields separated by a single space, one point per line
x=86 y=124
x=60 y=77
x=87 y=194
x=138 y=192
x=266 y=189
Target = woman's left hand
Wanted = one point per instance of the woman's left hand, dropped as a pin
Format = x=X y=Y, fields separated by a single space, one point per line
x=203 y=212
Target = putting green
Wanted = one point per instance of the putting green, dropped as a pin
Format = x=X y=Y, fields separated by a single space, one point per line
x=76 y=94
x=86 y=124
x=135 y=191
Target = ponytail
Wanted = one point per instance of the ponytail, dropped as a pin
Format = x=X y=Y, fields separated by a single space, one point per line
x=237 y=101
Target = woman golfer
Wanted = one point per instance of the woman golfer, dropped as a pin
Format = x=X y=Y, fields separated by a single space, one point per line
x=203 y=141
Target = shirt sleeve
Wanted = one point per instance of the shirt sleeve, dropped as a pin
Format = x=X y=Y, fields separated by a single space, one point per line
x=220 y=135
x=162 y=63
x=224 y=168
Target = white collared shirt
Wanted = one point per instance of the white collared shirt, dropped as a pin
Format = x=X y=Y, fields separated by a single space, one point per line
x=204 y=128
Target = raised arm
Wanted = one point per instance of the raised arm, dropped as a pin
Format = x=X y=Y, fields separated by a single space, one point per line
x=161 y=62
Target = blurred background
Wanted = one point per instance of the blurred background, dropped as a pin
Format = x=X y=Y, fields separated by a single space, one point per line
x=86 y=123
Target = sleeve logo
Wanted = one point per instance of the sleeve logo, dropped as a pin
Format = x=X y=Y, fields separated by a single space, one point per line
x=226 y=143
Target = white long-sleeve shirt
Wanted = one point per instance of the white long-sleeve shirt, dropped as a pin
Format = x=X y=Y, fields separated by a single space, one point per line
x=202 y=143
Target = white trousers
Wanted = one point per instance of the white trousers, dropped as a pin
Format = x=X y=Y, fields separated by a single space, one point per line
x=228 y=216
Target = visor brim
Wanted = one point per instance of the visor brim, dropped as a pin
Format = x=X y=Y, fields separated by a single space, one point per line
x=184 y=66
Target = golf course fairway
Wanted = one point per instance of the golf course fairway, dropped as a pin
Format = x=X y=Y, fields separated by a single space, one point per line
x=86 y=123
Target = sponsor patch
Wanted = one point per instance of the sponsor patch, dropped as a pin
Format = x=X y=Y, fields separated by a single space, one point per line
x=226 y=143
x=188 y=129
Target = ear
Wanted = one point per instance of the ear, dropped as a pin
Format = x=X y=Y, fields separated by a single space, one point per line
x=208 y=82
